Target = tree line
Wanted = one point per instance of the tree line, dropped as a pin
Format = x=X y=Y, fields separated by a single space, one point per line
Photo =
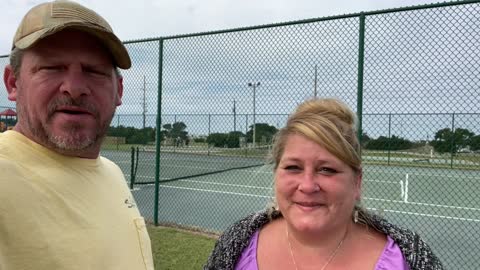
x=445 y=141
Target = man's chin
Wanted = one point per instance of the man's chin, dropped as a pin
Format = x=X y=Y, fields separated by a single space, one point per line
x=71 y=142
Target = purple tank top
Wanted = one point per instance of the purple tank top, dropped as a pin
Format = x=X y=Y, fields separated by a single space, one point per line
x=391 y=257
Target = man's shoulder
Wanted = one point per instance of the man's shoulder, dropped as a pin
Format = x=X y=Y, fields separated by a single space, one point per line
x=107 y=161
x=112 y=168
x=111 y=165
x=7 y=166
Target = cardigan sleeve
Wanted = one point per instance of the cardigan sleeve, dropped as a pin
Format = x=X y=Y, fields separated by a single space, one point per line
x=233 y=241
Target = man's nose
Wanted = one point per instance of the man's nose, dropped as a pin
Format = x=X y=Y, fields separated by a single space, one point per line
x=75 y=83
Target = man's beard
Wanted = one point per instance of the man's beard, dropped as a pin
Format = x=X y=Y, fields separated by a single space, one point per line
x=72 y=138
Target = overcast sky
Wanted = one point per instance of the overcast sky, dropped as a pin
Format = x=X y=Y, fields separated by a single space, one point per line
x=200 y=70
x=141 y=19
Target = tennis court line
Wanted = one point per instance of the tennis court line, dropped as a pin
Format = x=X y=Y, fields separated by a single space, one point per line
x=381 y=181
x=375 y=209
x=144 y=176
x=425 y=204
x=267 y=188
x=425 y=215
x=217 y=191
x=260 y=171
x=122 y=162
x=368 y=198
x=223 y=184
x=366 y=180
x=422 y=174
x=388 y=172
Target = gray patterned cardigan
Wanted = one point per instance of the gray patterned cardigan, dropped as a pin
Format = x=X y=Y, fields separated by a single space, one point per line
x=230 y=245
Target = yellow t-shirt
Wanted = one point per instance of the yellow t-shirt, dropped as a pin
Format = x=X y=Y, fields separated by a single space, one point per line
x=59 y=212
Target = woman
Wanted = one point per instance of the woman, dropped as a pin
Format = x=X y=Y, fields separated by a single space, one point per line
x=317 y=222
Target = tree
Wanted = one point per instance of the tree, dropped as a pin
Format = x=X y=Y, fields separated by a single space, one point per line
x=217 y=139
x=365 y=139
x=178 y=130
x=230 y=140
x=175 y=130
x=167 y=128
x=385 y=143
x=475 y=143
x=261 y=130
x=133 y=135
x=233 y=139
x=446 y=141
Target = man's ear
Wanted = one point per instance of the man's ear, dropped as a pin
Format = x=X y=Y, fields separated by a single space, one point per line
x=119 y=91
x=10 y=81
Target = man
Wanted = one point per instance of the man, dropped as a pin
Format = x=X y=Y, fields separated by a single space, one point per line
x=62 y=206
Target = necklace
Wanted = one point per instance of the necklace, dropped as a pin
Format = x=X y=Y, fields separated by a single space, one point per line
x=329 y=258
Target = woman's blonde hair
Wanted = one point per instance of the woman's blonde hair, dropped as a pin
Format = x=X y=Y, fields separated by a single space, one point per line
x=328 y=122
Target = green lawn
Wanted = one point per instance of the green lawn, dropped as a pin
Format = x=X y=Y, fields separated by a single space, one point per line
x=178 y=249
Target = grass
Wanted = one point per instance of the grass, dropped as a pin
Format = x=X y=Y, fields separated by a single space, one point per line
x=179 y=249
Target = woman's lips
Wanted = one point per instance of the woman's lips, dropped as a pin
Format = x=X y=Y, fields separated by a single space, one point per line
x=308 y=206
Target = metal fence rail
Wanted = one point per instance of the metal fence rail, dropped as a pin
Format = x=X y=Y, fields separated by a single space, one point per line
x=202 y=108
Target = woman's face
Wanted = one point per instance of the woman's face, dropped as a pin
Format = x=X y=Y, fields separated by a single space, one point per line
x=315 y=190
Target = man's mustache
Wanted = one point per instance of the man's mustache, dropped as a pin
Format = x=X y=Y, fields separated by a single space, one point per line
x=67 y=101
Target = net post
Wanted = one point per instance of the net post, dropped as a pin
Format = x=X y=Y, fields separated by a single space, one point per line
x=132 y=168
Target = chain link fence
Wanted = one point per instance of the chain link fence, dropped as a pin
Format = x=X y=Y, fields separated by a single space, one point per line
x=411 y=74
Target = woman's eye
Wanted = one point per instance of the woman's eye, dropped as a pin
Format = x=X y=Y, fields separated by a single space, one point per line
x=292 y=168
x=327 y=171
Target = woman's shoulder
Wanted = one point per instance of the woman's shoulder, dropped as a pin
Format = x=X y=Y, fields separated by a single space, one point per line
x=234 y=239
x=417 y=252
x=246 y=226
x=391 y=257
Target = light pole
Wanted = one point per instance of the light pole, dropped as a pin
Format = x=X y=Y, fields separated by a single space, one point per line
x=254 y=85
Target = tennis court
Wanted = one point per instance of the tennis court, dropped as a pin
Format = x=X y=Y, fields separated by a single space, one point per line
x=437 y=203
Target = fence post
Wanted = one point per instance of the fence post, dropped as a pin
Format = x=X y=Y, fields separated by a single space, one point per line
x=452 y=145
x=157 y=135
x=361 y=58
x=208 y=145
x=389 y=136
x=246 y=137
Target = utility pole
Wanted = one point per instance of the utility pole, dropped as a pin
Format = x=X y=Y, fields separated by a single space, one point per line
x=144 y=105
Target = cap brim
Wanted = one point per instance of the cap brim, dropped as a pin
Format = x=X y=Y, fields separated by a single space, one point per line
x=109 y=40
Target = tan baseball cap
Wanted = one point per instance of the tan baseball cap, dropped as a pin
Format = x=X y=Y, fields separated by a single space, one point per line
x=49 y=18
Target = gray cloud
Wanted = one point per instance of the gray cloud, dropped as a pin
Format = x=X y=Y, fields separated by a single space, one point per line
x=154 y=18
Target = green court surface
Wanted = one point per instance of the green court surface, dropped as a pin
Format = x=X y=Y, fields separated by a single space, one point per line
x=440 y=204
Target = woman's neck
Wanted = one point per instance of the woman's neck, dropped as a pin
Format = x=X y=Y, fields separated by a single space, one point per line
x=322 y=242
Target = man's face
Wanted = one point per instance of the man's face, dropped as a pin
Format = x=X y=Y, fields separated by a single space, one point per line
x=66 y=93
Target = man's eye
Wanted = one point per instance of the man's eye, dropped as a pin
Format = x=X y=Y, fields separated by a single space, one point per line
x=97 y=72
x=51 y=68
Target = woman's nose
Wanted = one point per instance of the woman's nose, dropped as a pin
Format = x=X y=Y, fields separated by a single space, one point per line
x=308 y=183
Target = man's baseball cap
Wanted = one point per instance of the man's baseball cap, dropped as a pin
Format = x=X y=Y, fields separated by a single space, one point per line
x=49 y=18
